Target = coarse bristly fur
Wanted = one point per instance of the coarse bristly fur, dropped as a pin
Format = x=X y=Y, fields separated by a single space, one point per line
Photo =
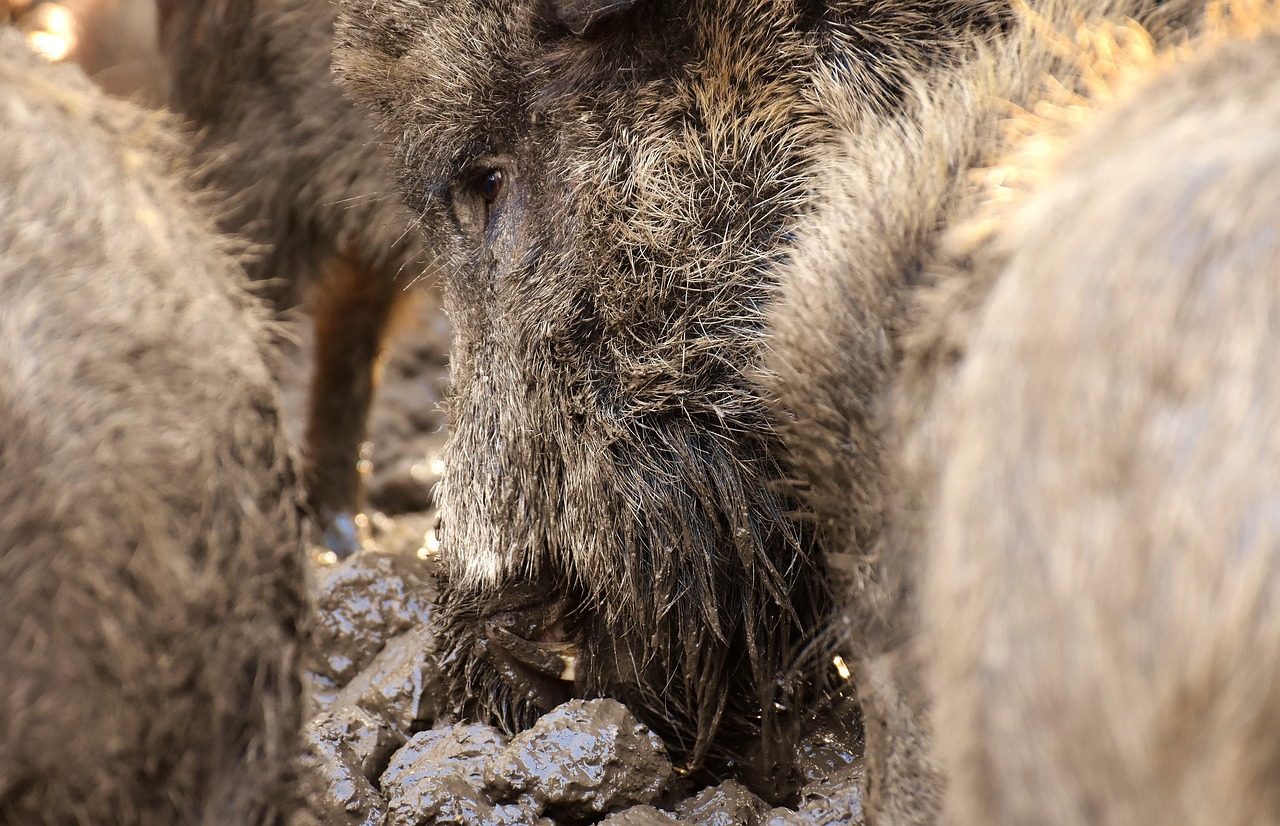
x=311 y=188
x=1102 y=589
x=613 y=463
x=854 y=366
x=150 y=555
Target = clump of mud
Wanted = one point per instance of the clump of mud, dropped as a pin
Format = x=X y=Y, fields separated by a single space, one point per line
x=581 y=760
x=382 y=752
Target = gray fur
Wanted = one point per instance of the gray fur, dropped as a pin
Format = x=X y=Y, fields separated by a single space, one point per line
x=150 y=559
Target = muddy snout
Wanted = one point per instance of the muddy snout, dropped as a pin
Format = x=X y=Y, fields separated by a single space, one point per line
x=529 y=649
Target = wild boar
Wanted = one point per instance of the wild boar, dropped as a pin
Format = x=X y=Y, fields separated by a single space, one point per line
x=856 y=357
x=151 y=581
x=613 y=186
x=1101 y=583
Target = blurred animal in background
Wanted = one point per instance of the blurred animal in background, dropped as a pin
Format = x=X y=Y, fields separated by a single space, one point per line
x=847 y=369
x=1102 y=570
x=151 y=568
x=1077 y=440
x=310 y=188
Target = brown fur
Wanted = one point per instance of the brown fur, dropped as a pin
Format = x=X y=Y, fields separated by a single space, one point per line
x=1101 y=599
x=844 y=316
x=613 y=475
x=150 y=559
x=311 y=189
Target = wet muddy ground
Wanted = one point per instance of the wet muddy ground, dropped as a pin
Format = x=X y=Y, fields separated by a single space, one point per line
x=382 y=750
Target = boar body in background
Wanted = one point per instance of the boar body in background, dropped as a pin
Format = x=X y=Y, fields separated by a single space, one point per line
x=309 y=186
x=614 y=185
x=1103 y=602
x=150 y=558
x=845 y=319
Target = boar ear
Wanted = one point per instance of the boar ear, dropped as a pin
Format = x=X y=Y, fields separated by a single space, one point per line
x=580 y=15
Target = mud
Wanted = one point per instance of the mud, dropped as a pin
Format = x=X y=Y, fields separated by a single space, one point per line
x=584 y=758
x=439 y=777
x=640 y=816
x=590 y=758
x=345 y=751
x=834 y=800
x=729 y=804
x=362 y=604
x=377 y=754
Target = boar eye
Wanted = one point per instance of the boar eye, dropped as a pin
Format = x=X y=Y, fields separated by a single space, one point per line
x=490 y=185
x=477 y=198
